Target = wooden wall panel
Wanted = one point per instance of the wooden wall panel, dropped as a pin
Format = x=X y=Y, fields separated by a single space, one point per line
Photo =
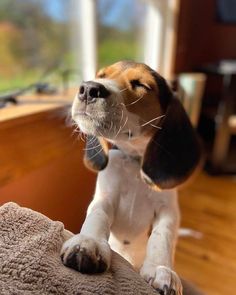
x=201 y=38
x=41 y=167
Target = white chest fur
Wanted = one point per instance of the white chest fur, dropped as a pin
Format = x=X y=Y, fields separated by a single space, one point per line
x=136 y=205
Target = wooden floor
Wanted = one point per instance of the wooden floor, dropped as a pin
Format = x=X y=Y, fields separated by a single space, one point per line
x=208 y=205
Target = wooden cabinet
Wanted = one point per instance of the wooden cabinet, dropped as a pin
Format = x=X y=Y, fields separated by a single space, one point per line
x=41 y=166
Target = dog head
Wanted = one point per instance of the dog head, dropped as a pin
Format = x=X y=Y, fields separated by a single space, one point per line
x=130 y=105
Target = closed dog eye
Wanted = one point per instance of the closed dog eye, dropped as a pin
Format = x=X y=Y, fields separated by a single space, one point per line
x=136 y=83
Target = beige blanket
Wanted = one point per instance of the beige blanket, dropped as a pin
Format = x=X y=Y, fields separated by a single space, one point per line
x=30 y=263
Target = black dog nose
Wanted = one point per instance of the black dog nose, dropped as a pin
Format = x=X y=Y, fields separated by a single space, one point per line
x=89 y=91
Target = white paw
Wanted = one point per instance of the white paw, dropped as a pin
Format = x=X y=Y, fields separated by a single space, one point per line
x=162 y=278
x=85 y=254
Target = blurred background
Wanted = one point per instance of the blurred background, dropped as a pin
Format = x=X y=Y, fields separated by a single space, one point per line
x=48 y=47
x=38 y=36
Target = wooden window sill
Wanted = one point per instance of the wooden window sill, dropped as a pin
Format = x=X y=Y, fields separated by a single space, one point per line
x=33 y=105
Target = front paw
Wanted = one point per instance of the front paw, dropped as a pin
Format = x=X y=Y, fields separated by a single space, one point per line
x=162 y=278
x=86 y=255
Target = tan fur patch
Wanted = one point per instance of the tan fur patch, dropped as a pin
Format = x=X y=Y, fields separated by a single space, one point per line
x=142 y=101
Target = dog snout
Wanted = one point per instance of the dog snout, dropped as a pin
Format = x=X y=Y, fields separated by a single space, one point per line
x=90 y=91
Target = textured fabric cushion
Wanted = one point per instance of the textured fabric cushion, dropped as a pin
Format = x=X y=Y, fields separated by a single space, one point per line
x=30 y=262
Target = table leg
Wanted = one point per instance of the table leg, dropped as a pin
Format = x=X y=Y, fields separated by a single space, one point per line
x=222 y=136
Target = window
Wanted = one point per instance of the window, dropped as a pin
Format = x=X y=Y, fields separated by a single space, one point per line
x=120 y=30
x=34 y=41
x=56 y=39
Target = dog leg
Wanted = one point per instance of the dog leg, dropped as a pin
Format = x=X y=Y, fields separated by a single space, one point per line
x=89 y=251
x=158 y=263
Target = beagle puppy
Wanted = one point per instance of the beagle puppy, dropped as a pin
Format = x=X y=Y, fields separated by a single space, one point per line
x=142 y=143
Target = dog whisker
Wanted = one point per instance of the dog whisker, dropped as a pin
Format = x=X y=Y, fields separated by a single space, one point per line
x=100 y=132
x=92 y=140
x=152 y=120
x=122 y=115
x=133 y=102
x=157 y=127
x=110 y=127
x=81 y=136
x=129 y=104
x=123 y=89
x=126 y=120
x=91 y=148
x=121 y=127
x=96 y=154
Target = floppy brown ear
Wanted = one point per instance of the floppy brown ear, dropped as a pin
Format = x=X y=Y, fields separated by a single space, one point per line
x=95 y=157
x=174 y=151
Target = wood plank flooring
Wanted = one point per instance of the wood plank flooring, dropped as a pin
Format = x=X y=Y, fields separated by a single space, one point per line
x=208 y=205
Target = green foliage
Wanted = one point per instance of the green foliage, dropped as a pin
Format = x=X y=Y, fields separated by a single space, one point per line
x=18 y=81
x=41 y=36
x=110 y=51
x=115 y=44
x=31 y=42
